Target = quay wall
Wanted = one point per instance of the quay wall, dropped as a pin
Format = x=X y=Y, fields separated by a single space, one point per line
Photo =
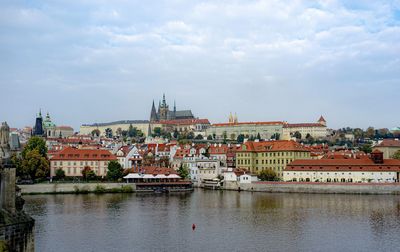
x=337 y=188
x=69 y=187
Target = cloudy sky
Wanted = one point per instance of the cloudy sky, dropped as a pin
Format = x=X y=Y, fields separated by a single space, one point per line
x=99 y=61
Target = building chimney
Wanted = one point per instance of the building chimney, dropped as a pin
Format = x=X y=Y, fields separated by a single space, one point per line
x=377 y=156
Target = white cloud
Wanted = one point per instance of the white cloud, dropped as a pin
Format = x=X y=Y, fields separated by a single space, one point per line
x=302 y=51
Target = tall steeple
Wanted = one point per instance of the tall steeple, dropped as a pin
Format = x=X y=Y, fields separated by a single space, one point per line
x=153 y=114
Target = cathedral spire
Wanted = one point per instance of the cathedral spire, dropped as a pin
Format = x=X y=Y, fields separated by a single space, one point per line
x=153 y=114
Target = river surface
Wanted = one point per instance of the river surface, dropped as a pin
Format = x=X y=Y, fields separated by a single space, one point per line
x=225 y=221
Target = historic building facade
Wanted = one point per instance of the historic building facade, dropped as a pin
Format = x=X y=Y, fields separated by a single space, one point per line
x=316 y=130
x=233 y=129
x=273 y=155
x=375 y=169
x=72 y=161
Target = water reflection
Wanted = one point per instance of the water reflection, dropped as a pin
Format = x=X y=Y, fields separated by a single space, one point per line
x=225 y=220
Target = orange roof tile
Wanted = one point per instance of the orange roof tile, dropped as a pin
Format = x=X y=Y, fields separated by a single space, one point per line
x=70 y=153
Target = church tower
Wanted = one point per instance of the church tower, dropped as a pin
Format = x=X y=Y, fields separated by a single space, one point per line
x=38 y=128
x=164 y=110
x=153 y=114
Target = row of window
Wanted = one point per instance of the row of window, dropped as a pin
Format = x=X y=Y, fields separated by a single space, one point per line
x=61 y=163
x=78 y=171
x=372 y=173
x=275 y=154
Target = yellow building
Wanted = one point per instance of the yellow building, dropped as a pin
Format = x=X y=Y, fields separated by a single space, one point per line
x=274 y=155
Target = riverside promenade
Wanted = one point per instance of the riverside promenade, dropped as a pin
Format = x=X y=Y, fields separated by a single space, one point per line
x=54 y=188
x=313 y=187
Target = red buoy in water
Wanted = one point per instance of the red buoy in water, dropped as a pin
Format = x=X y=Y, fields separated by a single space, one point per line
x=193 y=226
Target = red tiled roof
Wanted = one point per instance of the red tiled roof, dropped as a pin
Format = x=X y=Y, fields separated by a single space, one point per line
x=70 y=153
x=65 y=127
x=244 y=123
x=185 y=121
x=343 y=165
x=321 y=119
x=389 y=143
x=154 y=170
x=280 y=145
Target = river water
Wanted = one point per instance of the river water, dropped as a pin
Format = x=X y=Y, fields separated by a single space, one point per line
x=225 y=221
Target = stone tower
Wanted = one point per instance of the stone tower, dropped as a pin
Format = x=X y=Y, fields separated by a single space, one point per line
x=163 y=110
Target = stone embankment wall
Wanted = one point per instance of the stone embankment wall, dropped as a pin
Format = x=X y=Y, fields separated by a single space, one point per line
x=69 y=187
x=338 y=188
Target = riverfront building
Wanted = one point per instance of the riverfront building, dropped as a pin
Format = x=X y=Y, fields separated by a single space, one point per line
x=353 y=169
x=72 y=161
x=274 y=155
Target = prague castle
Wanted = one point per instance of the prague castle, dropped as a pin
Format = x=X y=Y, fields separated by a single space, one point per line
x=163 y=113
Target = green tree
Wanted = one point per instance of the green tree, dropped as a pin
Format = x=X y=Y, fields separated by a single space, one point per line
x=109 y=133
x=190 y=135
x=367 y=148
x=16 y=161
x=35 y=165
x=297 y=135
x=124 y=133
x=199 y=137
x=240 y=138
x=157 y=132
x=396 y=155
x=60 y=174
x=37 y=143
x=276 y=136
x=370 y=132
x=183 y=172
x=176 y=134
x=209 y=137
x=267 y=175
x=225 y=135
x=115 y=170
x=96 y=133
x=258 y=136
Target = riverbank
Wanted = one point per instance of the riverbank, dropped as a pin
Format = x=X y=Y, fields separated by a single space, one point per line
x=67 y=188
x=270 y=187
x=315 y=188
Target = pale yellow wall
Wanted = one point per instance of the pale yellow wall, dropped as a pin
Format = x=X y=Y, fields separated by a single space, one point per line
x=315 y=132
x=74 y=167
x=274 y=160
x=266 y=131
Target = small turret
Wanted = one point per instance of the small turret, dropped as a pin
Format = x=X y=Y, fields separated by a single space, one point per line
x=322 y=121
